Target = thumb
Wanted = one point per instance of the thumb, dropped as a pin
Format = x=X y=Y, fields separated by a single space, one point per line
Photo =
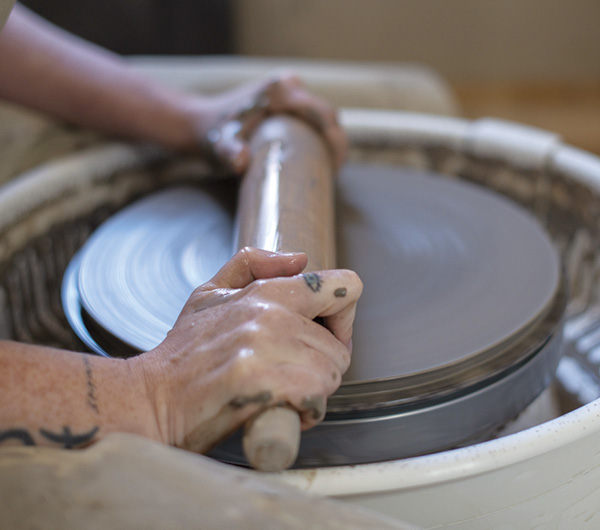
x=251 y=264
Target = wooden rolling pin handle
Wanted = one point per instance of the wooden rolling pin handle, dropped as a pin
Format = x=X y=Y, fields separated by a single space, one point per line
x=285 y=205
x=272 y=439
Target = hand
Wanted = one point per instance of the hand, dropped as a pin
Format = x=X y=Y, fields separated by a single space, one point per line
x=247 y=340
x=226 y=121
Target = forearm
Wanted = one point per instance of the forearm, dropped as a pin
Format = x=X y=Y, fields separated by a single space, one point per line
x=65 y=399
x=46 y=68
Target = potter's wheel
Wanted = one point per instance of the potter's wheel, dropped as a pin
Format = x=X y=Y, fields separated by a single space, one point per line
x=458 y=328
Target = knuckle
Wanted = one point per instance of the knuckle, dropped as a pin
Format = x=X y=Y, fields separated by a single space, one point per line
x=257 y=287
x=249 y=335
x=345 y=357
x=340 y=357
x=199 y=294
x=244 y=254
x=269 y=316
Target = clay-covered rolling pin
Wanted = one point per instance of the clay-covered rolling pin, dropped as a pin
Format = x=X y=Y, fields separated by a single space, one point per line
x=286 y=204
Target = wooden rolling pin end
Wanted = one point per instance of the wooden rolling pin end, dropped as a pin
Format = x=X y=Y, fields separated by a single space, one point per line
x=272 y=439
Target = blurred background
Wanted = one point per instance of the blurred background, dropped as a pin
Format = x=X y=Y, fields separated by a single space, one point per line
x=532 y=61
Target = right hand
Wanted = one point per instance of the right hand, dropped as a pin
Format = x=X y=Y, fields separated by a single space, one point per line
x=247 y=340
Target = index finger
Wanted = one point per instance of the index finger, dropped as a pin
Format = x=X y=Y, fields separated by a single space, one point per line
x=331 y=294
x=340 y=291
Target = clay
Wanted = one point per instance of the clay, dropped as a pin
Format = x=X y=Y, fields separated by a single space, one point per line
x=131 y=483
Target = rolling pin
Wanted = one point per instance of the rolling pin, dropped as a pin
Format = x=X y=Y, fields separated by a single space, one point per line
x=285 y=204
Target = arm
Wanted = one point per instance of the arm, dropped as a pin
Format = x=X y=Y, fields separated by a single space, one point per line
x=52 y=396
x=244 y=341
x=61 y=398
x=44 y=67
x=51 y=70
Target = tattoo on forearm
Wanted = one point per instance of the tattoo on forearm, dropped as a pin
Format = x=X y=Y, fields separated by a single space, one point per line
x=91 y=387
x=66 y=438
x=17 y=434
x=313 y=280
x=69 y=440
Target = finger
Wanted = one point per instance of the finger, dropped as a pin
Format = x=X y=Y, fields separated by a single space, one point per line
x=331 y=294
x=319 y=339
x=304 y=387
x=294 y=339
x=312 y=410
x=288 y=95
x=312 y=294
x=341 y=325
x=337 y=139
x=228 y=147
x=250 y=264
x=324 y=119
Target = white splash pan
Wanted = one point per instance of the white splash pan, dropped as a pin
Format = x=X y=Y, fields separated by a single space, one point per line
x=545 y=477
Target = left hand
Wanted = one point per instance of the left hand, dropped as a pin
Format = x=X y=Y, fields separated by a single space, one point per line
x=226 y=121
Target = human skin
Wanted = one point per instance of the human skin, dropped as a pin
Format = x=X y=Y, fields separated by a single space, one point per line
x=244 y=341
x=44 y=67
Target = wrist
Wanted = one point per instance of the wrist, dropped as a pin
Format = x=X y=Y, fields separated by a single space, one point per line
x=180 y=122
x=148 y=396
